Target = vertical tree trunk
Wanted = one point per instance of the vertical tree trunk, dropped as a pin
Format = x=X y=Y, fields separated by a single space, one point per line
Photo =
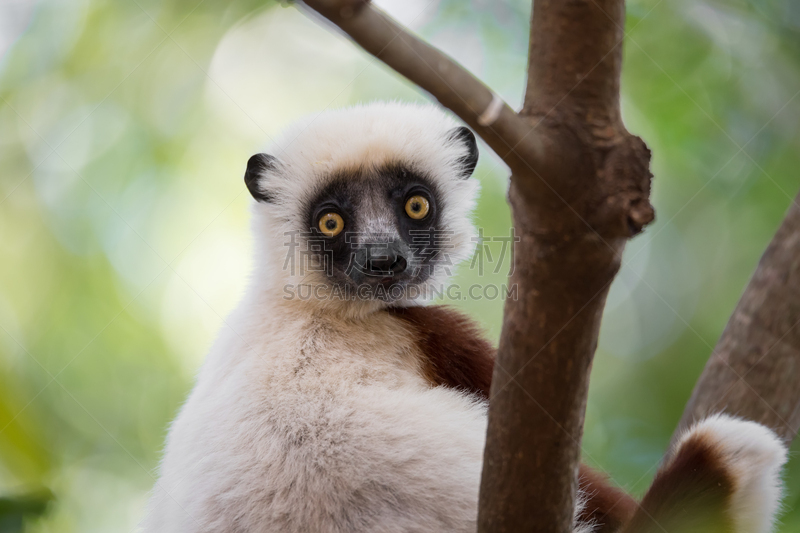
x=574 y=213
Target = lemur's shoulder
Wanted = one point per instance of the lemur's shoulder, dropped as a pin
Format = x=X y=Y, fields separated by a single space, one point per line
x=455 y=352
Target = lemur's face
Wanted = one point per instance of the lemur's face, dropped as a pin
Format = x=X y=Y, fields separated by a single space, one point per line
x=378 y=230
x=372 y=228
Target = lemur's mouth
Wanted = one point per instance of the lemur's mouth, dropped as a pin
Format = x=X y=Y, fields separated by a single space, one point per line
x=379 y=264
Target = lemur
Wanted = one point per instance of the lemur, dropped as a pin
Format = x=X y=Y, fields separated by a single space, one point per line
x=357 y=407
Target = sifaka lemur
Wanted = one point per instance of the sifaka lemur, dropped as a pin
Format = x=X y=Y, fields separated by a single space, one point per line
x=337 y=400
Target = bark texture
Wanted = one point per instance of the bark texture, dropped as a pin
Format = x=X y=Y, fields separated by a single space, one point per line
x=574 y=213
x=754 y=371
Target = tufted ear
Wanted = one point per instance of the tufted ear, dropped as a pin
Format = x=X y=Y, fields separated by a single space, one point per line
x=463 y=135
x=257 y=166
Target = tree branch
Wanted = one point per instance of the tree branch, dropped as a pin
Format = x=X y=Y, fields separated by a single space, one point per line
x=453 y=86
x=584 y=71
x=754 y=369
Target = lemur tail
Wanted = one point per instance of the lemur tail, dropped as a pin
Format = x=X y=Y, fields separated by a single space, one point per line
x=723 y=477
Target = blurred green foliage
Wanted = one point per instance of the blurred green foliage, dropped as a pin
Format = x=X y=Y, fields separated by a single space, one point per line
x=14 y=511
x=124 y=129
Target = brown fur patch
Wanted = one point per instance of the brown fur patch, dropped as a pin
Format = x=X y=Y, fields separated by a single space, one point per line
x=456 y=353
x=607 y=506
x=690 y=494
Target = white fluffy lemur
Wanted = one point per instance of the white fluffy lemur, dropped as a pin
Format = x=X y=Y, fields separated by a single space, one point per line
x=336 y=402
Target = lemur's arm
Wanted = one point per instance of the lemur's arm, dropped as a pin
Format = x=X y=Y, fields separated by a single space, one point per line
x=458 y=356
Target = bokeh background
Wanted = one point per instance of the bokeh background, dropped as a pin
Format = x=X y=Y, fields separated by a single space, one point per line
x=124 y=130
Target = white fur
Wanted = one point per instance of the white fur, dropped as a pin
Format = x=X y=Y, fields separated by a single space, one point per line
x=754 y=456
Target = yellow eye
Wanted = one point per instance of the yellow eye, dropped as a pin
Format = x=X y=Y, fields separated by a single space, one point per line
x=331 y=224
x=417 y=207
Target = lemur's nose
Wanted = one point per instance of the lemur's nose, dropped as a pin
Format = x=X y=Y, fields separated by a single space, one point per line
x=384 y=260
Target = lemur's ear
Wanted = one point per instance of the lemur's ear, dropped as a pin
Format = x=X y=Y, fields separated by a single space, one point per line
x=257 y=166
x=465 y=136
